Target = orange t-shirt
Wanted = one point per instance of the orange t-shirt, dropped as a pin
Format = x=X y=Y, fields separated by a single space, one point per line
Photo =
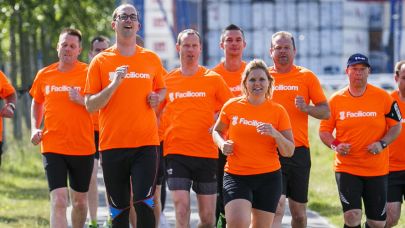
x=253 y=153
x=191 y=102
x=127 y=121
x=299 y=81
x=6 y=89
x=397 y=148
x=232 y=78
x=68 y=128
x=360 y=121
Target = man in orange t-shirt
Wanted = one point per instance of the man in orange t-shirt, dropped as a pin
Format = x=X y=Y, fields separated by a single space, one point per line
x=67 y=147
x=7 y=92
x=97 y=45
x=295 y=88
x=365 y=119
x=193 y=95
x=396 y=177
x=125 y=83
x=233 y=43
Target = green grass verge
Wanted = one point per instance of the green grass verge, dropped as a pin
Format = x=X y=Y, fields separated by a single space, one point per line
x=24 y=198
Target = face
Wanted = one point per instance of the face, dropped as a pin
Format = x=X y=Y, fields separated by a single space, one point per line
x=257 y=83
x=68 y=48
x=189 y=49
x=400 y=79
x=282 y=51
x=233 y=43
x=358 y=74
x=126 y=23
x=98 y=46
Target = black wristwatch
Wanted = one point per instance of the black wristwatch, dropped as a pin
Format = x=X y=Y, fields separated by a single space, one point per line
x=383 y=144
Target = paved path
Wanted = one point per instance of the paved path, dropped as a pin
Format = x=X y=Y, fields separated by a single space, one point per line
x=168 y=220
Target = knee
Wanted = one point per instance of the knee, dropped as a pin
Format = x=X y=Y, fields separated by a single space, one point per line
x=300 y=218
x=80 y=203
x=240 y=221
x=59 y=201
x=207 y=219
x=392 y=221
x=352 y=217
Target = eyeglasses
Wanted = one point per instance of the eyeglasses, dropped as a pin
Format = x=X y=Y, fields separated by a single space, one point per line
x=124 y=17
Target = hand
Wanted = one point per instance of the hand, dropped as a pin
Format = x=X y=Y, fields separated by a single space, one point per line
x=375 y=148
x=120 y=74
x=7 y=111
x=267 y=129
x=153 y=99
x=301 y=104
x=227 y=148
x=36 y=136
x=343 y=149
x=75 y=96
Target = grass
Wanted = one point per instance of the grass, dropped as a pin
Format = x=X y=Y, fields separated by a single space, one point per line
x=24 y=197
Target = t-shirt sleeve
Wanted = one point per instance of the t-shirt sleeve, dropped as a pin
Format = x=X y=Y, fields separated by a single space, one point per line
x=390 y=109
x=158 y=82
x=6 y=89
x=284 y=120
x=36 y=91
x=223 y=115
x=316 y=93
x=93 y=80
x=223 y=93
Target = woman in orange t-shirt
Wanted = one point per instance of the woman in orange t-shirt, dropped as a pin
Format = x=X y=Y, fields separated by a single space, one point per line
x=257 y=129
x=365 y=120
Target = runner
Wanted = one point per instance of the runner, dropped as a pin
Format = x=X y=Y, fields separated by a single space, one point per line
x=97 y=45
x=67 y=147
x=194 y=94
x=255 y=128
x=233 y=43
x=125 y=83
x=295 y=88
x=366 y=119
x=7 y=92
x=396 y=177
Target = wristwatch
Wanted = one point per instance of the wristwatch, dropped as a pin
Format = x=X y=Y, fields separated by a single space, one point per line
x=383 y=144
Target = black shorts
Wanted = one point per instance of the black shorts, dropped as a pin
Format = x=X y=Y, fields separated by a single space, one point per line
x=262 y=190
x=295 y=172
x=120 y=164
x=96 y=140
x=161 y=166
x=396 y=186
x=186 y=171
x=59 y=167
x=373 y=190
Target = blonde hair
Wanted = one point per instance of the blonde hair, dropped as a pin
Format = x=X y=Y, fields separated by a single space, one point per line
x=257 y=64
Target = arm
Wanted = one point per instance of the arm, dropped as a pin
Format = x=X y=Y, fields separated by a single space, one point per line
x=389 y=137
x=36 y=119
x=284 y=139
x=319 y=111
x=226 y=146
x=94 y=102
x=9 y=107
x=330 y=141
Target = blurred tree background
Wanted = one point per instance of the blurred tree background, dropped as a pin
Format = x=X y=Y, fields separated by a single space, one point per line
x=29 y=30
